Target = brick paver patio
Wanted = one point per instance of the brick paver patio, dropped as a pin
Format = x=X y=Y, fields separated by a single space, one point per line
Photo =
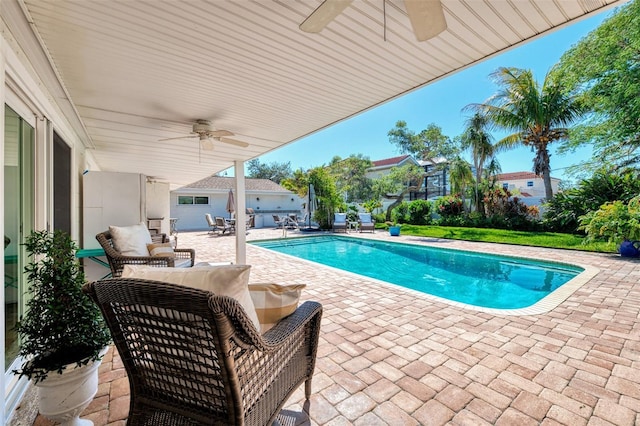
x=390 y=356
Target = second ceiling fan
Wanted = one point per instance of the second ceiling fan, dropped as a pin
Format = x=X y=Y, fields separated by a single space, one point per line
x=426 y=16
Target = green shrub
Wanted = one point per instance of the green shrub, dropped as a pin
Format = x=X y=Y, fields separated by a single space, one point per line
x=419 y=212
x=614 y=222
x=449 y=206
x=565 y=208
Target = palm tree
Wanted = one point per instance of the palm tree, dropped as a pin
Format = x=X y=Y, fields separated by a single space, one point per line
x=460 y=176
x=477 y=138
x=538 y=115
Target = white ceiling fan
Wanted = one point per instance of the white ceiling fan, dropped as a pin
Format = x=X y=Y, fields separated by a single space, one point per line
x=426 y=16
x=204 y=130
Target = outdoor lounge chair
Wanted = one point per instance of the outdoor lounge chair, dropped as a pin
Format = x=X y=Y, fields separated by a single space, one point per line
x=183 y=257
x=195 y=358
x=222 y=226
x=339 y=222
x=280 y=221
x=212 y=223
x=251 y=214
x=365 y=223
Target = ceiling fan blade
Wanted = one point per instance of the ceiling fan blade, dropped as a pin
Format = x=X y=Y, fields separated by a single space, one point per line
x=234 y=142
x=179 y=137
x=220 y=133
x=324 y=14
x=427 y=18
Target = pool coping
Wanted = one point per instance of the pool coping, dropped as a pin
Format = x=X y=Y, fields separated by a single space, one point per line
x=544 y=305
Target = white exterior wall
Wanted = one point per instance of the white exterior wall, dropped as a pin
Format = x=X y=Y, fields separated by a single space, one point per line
x=158 y=203
x=24 y=87
x=537 y=190
x=191 y=217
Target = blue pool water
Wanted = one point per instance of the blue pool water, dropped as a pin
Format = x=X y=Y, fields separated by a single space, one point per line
x=489 y=281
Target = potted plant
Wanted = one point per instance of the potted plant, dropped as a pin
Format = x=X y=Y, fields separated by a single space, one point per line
x=62 y=333
x=617 y=222
x=394 y=229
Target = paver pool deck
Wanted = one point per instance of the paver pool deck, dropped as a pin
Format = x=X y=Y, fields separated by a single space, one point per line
x=391 y=356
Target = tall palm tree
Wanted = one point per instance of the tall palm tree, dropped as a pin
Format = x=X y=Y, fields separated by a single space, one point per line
x=538 y=115
x=479 y=140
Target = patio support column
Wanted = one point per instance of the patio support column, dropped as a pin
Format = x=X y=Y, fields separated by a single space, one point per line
x=241 y=214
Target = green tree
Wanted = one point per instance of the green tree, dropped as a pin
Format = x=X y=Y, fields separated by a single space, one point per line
x=603 y=70
x=298 y=182
x=398 y=183
x=477 y=138
x=537 y=114
x=327 y=196
x=274 y=171
x=350 y=177
x=460 y=176
x=428 y=144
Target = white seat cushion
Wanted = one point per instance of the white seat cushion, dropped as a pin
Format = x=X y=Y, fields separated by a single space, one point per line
x=182 y=263
x=131 y=240
x=228 y=280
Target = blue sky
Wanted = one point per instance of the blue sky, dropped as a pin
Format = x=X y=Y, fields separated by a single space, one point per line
x=441 y=103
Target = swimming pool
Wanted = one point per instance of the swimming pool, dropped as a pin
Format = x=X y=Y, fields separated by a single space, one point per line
x=477 y=279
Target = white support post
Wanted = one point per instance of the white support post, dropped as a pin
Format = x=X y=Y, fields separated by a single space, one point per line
x=241 y=214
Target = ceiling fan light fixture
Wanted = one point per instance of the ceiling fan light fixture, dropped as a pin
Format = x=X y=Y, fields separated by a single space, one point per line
x=426 y=17
x=206 y=143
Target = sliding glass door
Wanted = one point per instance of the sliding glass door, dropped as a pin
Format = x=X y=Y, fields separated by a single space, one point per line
x=19 y=141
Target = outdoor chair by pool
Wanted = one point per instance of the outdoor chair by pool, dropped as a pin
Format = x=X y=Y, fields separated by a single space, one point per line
x=222 y=226
x=365 y=223
x=182 y=257
x=212 y=223
x=194 y=358
x=280 y=221
x=340 y=222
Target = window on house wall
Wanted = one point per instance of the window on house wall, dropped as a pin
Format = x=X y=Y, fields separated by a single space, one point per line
x=505 y=186
x=190 y=200
x=530 y=183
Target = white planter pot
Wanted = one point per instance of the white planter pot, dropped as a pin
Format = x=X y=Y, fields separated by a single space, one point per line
x=62 y=397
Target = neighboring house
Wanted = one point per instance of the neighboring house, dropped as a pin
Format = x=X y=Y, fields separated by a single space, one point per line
x=528 y=184
x=190 y=203
x=383 y=167
x=436 y=180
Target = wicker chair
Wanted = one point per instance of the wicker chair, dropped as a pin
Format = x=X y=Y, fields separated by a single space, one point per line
x=194 y=358
x=117 y=261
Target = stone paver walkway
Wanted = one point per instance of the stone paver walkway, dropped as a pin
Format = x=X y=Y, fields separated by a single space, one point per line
x=390 y=356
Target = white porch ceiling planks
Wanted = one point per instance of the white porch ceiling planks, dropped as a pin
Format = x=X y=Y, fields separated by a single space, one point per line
x=140 y=71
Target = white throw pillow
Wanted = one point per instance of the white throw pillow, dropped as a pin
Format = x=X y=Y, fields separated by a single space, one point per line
x=131 y=240
x=228 y=280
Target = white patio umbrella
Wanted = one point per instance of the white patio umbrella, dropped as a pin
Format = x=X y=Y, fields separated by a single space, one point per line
x=231 y=203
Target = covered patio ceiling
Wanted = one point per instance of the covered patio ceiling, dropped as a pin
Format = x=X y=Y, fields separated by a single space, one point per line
x=135 y=72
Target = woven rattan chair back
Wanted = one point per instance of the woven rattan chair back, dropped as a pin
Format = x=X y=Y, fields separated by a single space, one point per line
x=117 y=260
x=193 y=358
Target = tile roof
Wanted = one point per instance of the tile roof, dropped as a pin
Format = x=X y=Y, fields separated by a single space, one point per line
x=519 y=175
x=389 y=161
x=227 y=183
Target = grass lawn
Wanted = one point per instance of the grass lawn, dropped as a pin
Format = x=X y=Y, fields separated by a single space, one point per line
x=536 y=239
